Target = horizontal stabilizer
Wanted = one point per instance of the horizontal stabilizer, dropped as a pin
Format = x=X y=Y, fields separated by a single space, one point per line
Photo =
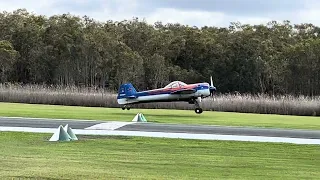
x=131 y=97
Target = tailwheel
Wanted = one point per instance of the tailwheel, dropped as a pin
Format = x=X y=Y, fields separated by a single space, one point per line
x=198 y=110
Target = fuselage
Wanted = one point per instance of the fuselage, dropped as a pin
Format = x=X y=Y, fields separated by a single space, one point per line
x=168 y=94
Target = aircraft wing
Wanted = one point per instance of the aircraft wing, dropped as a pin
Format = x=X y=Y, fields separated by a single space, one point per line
x=184 y=91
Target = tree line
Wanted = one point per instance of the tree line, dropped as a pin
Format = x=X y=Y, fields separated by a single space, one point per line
x=276 y=58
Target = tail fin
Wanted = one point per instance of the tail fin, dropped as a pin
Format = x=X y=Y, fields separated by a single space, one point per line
x=126 y=91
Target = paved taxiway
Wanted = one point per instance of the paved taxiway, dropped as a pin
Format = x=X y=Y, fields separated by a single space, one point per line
x=45 y=123
x=164 y=128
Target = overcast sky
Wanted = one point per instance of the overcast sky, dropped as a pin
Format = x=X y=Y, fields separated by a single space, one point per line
x=189 y=12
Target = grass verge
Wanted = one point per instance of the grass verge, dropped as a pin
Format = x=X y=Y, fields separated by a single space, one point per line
x=160 y=116
x=112 y=157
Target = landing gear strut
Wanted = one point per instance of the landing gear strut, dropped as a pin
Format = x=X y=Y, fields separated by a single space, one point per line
x=198 y=109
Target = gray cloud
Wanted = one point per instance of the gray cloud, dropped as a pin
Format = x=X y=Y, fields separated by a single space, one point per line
x=191 y=12
x=82 y=6
x=232 y=7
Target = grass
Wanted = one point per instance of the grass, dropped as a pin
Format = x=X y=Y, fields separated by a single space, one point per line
x=160 y=116
x=113 y=157
x=95 y=97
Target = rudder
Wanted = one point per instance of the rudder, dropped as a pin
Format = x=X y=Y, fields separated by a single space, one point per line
x=126 y=91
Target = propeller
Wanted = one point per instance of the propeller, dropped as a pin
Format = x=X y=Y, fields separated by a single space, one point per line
x=212 y=88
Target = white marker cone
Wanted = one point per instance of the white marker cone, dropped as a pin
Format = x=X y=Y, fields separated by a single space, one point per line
x=139 y=118
x=143 y=119
x=60 y=135
x=70 y=132
x=136 y=118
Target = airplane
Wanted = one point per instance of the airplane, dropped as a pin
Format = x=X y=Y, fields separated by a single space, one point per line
x=174 y=91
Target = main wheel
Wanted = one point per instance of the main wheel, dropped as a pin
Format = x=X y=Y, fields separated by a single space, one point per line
x=123 y=108
x=198 y=110
x=128 y=108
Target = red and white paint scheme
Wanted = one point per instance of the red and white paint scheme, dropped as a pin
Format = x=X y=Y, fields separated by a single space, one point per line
x=175 y=91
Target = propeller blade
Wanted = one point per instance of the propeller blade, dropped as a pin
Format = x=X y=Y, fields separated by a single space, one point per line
x=211 y=81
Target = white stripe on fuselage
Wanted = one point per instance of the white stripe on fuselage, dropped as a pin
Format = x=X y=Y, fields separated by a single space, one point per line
x=164 y=97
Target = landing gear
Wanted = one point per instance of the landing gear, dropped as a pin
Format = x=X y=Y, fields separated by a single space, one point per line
x=198 y=109
x=126 y=107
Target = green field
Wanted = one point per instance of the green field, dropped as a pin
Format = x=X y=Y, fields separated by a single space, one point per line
x=28 y=155
x=160 y=116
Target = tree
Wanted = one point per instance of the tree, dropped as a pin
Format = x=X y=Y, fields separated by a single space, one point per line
x=63 y=49
x=127 y=66
x=8 y=57
x=156 y=73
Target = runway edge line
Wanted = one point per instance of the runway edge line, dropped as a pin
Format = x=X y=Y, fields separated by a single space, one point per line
x=171 y=135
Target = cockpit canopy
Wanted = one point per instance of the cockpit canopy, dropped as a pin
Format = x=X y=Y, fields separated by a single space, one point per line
x=175 y=84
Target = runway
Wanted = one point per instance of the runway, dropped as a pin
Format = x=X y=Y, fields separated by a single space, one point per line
x=201 y=129
x=155 y=129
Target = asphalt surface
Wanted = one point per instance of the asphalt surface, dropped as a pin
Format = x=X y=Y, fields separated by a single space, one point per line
x=45 y=123
x=200 y=129
x=172 y=128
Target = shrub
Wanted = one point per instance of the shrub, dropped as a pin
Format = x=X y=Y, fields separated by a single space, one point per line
x=95 y=97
